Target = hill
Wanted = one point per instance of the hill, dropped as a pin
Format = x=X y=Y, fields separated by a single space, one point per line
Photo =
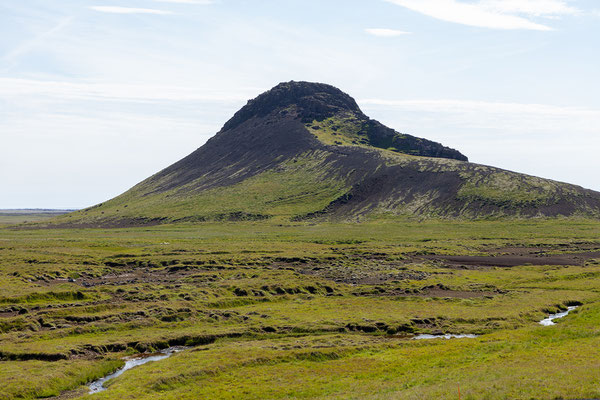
x=305 y=150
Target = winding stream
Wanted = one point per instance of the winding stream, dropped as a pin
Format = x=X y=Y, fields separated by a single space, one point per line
x=550 y=319
x=132 y=362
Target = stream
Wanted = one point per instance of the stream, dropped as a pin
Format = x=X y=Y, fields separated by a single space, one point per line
x=132 y=362
x=550 y=319
x=446 y=336
x=546 y=322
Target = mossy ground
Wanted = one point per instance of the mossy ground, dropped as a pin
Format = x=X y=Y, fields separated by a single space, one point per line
x=300 y=310
x=296 y=187
x=343 y=129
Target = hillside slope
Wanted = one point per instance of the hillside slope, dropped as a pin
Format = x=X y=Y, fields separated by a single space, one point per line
x=305 y=150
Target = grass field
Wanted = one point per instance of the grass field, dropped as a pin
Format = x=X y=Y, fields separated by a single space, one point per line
x=17 y=216
x=301 y=310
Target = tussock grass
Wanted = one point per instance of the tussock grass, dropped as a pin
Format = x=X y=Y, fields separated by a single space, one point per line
x=297 y=310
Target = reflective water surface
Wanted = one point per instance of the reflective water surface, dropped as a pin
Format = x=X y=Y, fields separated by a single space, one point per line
x=132 y=362
x=550 y=319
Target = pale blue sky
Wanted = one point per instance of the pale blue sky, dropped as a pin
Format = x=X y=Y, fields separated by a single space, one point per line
x=97 y=95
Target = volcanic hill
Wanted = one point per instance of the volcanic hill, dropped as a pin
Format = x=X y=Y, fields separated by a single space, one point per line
x=306 y=151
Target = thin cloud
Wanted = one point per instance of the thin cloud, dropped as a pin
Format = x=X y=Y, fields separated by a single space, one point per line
x=201 y=2
x=539 y=8
x=38 y=89
x=10 y=59
x=129 y=10
x=384 y=32
x=515 y=118
x=455 y=106
x=494 y=14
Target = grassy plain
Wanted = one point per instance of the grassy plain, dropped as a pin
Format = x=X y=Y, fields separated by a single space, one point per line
x=302 y=310
x=15 y=216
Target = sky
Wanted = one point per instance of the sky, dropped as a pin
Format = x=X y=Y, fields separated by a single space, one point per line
x=97 y=95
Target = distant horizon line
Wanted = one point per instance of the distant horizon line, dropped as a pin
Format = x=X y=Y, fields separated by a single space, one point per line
x=38 y=209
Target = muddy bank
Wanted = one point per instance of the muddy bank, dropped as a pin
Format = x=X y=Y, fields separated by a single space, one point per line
x=515 y=260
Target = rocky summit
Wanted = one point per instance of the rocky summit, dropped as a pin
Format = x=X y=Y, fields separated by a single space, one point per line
x=303 y=151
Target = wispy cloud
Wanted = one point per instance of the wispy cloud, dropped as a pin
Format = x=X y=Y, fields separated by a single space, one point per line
x=516 y=118
x=531 y=7
x=453 y=106
x=129 y=10
x=10 y=59
x=495 y=14
x=385 y=32
x=13 y=87
x=202 y=2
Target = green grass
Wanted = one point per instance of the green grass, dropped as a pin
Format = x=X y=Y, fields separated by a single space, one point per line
x=505 y=189
x=35 y=379
x=343 y=129
x=286 y=310
x=532 y=362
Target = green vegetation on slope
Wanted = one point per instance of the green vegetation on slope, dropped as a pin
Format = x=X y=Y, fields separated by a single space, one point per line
x=505 y=188
x=342 y=129
x=307 y=184
x=348 y=129
x=295 y=187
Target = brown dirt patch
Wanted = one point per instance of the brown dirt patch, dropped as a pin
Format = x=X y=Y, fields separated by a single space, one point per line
x=513 y=260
